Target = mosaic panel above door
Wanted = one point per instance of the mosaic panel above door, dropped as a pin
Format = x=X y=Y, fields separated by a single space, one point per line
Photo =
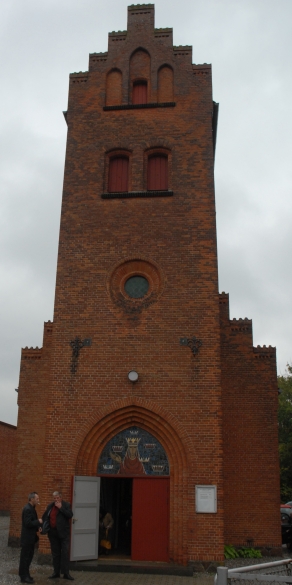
x=133 y=452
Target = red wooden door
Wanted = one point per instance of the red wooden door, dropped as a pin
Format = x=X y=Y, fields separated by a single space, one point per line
x=140 y=93
x=150 y=519
x=118 y=174
x=157 y=173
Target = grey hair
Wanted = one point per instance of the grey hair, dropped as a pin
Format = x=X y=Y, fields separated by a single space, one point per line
x=57 y=494
x=32 y=495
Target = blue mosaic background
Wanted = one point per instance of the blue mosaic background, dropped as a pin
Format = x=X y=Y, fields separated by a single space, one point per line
x=149 y=448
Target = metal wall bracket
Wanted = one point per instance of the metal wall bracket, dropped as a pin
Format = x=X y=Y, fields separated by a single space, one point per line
x=77 y=345
x=194 y=343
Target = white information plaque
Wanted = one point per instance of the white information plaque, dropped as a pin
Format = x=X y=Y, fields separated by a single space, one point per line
x=206 y=499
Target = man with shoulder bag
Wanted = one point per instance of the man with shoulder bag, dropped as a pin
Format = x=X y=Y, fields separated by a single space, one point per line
x=58 y=515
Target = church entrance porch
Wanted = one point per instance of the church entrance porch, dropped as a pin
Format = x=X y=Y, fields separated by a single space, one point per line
x=143 y=458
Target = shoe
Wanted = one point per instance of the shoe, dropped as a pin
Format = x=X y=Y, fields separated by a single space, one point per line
x=54 y=576
x=68 y=577
x=27 y=580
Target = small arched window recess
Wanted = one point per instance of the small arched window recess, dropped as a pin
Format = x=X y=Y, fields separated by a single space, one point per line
x=165 y=84
x=118 y=176
x=139 y=95
x=114 y=88
x=157 y=172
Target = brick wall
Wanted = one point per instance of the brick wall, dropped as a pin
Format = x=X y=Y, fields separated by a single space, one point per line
x=31 y=428
x=250 y=436
x=7 y=458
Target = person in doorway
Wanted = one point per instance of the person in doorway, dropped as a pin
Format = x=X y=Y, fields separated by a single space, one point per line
x=30 y=526
x=59 y=513
x=106 y=523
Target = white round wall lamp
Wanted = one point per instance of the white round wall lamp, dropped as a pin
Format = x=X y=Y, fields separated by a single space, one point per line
x=133 y=376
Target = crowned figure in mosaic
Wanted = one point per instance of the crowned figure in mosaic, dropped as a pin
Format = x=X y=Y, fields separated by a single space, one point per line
x=132 y=464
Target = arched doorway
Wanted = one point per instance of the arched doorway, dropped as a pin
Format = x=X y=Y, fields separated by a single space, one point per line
x=134 y=471
x=146 y=414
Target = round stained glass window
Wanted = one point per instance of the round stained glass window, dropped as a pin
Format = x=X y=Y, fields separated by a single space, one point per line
x=136 y=287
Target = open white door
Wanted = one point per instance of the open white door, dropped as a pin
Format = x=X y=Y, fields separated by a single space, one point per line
x=85 y=523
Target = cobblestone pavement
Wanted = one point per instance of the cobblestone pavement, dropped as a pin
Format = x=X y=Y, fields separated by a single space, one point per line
x=9 y=559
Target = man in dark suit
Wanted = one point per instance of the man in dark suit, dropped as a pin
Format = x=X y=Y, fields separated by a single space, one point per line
x=29 y=529
x=59 y=513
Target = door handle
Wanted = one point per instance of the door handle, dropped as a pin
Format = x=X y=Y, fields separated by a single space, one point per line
x=74 y=520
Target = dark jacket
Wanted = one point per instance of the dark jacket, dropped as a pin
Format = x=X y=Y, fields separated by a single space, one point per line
x=30 y=525
x=63 y=518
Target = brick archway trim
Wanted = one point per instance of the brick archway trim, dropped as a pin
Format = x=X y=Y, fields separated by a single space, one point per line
x=124 y=413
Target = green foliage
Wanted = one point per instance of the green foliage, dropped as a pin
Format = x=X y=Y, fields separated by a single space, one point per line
x=245 y=552
x=249 y=553
x=230 y=552
x=285 y=433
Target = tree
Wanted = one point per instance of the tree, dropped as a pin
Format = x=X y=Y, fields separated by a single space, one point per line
x=285 y=433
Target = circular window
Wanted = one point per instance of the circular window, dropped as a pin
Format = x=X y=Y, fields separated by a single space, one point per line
x=134 y=284
x=136 y=287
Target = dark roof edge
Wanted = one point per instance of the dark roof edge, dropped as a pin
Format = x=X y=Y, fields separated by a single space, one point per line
x=215 y=124
x=8 y=425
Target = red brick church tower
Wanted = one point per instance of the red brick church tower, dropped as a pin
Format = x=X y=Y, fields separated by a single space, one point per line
x=143 y=381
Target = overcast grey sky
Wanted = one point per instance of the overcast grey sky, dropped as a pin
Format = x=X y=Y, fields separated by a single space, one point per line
x=249 y=44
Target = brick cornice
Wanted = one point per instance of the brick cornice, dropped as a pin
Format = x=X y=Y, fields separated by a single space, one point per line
x=133 y=194
x=140 y=106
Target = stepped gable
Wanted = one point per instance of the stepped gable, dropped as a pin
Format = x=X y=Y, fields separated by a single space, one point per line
x=48 y=330
x=264 y=352
x=35 y=353
x=141 y=34
x=224 y=306
x=234 y=325
x=31 y=353
x=241 y=325
x=48 y=326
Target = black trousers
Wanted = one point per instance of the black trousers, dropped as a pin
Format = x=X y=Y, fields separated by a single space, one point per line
x=60 y=551
x=26 y=556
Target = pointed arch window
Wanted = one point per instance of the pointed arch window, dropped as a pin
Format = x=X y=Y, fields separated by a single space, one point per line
x=165 y=84
x=118 y=177
x=139 y=95
x=157 y=173
x=114 y=82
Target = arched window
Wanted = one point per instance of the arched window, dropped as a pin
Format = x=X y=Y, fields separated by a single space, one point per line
x=118 y=174
x=139 y=95
x=165 y=84
x=114 y=88
x=139 y=76
x=157 y=173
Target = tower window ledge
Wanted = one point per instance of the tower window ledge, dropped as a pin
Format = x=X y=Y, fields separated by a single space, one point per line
x=132 y=194
x=140 y=106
